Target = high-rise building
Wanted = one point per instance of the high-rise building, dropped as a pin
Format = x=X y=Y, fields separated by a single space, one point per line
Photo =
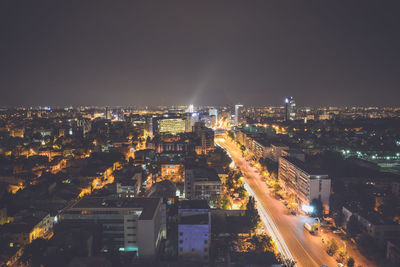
x=238 y=114
x=191 y=108
x=194 y=117
x=108 y=113
x=290 y=109
x=305 y=182
x=206 y=136
x=188 y=122
x=213 y=112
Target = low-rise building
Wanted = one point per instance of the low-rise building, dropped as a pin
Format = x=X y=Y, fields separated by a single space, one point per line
x=173 y=172
x=128 y=183
x=202 y=183
x=374 y=225
x=29 y=228
x=393 y=253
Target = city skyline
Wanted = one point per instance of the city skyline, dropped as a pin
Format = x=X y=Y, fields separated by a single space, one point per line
x=200 y=133
x=201 y=53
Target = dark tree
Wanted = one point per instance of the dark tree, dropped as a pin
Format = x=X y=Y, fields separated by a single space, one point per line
x=34 y=253
x=389 y=206
x=319 y=209
x=353 y=226
x=350 y=262
x=252 y=213
x=339 y=218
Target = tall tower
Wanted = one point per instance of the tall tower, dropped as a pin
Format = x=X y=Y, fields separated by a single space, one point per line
x=213 y=113
x=238 y=114
x=290 y=109
x=108 y=113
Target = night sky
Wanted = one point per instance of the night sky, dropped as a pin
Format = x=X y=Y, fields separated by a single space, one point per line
x=201 y=52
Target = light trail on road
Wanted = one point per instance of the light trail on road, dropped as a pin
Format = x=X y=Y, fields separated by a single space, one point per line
x=267 y=221
x=271 y=227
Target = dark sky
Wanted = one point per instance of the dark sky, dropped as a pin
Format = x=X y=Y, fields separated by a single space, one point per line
x=98 y=52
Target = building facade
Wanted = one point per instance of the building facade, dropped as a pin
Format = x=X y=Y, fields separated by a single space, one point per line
x=171 y=125
x=238 y=114
x=194 y=230
x=290 y=109
x=132 y=225
x=173 y=172
x=374 y=225
x=202 y=183
x=306 y=184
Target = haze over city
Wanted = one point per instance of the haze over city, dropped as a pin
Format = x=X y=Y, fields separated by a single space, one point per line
x=62 y=53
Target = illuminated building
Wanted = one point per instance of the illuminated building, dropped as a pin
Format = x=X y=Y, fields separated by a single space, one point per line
x=206 y=136
x=108 y=114
x=324 y=116
x=290 y=109
x=214 y=116
x=304 y=182
x=238 y=114
x=171 y=125
x=191 y=108
x=3 y=217
x=194 y=230
x=188 y=122
x=172 y=171
x=30 y=228
x=194 y=117
x=132 y=225
x=17 y=132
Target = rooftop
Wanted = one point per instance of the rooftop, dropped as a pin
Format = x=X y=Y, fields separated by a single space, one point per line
x=307 y=166
x=194 y=219
x=209 y=173
x=163 y=189
x=193 y=204
x=148 y=205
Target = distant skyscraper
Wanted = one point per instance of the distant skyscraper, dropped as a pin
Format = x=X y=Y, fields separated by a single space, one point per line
x=194 y=117
x=108 y=114
x=290 y=109
x=213 y=113
x=191 y=109
x=238 y=114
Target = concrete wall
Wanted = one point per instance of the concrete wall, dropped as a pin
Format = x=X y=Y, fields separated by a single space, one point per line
x=193 y=241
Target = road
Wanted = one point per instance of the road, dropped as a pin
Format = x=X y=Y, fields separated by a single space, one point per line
x=306 y=249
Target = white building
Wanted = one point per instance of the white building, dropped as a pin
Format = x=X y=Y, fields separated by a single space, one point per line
x=304 y=182
x=131 y=225
x=194 y=230
x=238 y=114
